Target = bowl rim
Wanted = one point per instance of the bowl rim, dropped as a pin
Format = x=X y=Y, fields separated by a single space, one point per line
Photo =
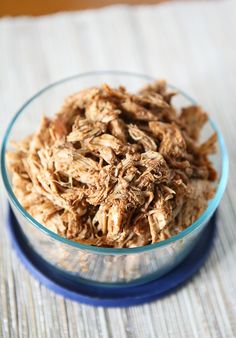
x=212 y=205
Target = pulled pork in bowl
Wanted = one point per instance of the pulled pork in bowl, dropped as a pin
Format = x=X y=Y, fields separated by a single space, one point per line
x=116 y=169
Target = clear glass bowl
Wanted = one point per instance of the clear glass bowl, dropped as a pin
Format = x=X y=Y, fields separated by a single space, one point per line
x=114 y=267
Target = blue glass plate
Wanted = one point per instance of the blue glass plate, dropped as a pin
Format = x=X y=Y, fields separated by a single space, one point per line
x=108 y=296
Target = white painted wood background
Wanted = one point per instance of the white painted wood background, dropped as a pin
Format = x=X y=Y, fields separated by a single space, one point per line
x=193 y=45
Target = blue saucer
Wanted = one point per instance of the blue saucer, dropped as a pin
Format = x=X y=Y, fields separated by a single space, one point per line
x=110 y=297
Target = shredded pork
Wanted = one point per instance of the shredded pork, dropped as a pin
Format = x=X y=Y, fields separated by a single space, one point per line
x=116 y=169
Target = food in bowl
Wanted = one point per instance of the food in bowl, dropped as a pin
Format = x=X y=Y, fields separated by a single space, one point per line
x=116 y=169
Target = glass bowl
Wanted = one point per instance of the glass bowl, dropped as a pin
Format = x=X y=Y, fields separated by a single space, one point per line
x=107 y=266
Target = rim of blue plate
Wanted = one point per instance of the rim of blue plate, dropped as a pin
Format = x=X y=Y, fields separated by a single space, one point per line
x=212 y=205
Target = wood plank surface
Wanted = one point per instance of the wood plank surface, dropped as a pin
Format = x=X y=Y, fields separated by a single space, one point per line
x=41 y=7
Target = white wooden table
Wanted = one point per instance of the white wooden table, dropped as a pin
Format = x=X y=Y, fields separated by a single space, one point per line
x=193 y=45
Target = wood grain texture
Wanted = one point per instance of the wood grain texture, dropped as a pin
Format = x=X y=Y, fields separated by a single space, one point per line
x=42 y=7
x=193 y=45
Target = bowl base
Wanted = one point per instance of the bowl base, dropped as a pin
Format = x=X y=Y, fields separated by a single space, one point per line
x=108 y=296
